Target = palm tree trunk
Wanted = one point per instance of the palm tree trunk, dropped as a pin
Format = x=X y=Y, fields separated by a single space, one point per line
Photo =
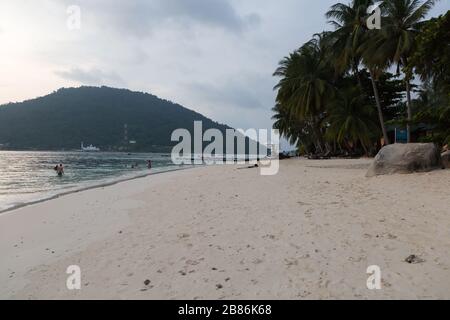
x=318 y=134
x=380 y=111
x=408 y=105
x=365 y=148
x=408 y=101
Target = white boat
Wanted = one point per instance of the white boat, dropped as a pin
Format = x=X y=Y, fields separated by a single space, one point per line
x=89 y=148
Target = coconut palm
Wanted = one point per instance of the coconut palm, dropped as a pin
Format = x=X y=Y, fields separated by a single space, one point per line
x=376 y=68
x=350 y=26
x=305 y=84
x=298 y=132
x=351 y=119
x=285 y=123
x=396 y=41
x=349 y=36
x=431 y=57
x=305 y=80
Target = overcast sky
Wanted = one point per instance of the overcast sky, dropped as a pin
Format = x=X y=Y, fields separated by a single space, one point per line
x=213 y=56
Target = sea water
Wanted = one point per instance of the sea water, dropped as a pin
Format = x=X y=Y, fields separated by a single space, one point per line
x=27 y=177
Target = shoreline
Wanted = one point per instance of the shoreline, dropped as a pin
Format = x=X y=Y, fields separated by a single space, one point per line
x=96 y=186
x=217 y=232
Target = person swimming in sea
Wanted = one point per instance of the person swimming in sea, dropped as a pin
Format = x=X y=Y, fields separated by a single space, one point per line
x=59 y=170
x=135 y=165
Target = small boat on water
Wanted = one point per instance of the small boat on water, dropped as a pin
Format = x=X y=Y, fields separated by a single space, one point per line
x=89 y=148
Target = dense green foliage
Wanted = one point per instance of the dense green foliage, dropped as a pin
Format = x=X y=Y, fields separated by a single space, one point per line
x=335 y=94
x=431 y=61
x=67 y=117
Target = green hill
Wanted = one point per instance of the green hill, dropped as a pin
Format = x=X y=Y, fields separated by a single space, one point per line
x=65 y=118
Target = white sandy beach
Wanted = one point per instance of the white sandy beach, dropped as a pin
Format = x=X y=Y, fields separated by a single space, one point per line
x=309 y=232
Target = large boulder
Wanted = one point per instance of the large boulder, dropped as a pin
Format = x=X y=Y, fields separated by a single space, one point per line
x=446 y=160
x=405 y=158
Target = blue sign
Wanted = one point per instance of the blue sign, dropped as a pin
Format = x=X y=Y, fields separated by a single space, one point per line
x=401 y=136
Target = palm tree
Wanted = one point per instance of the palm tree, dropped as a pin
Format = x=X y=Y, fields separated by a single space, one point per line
x=297 y=132
x=396 y=42
x=376 y=68
x=350 y=26
x=351 y=119
x=304 y=80
x=285 y=123
x=431 y=58
x=305 y=85
x=349 y=35
x=433 y=107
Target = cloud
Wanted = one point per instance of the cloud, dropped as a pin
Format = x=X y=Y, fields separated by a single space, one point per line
x=249 y=92
x=90 y=77
x=213 y=56
x=143 y=18
x=218 y=13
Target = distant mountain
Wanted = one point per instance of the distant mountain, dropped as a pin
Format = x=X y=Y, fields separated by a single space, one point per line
x=105 y=117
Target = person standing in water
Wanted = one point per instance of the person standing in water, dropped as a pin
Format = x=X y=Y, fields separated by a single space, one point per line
x=149 y=164
x=59 y=170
